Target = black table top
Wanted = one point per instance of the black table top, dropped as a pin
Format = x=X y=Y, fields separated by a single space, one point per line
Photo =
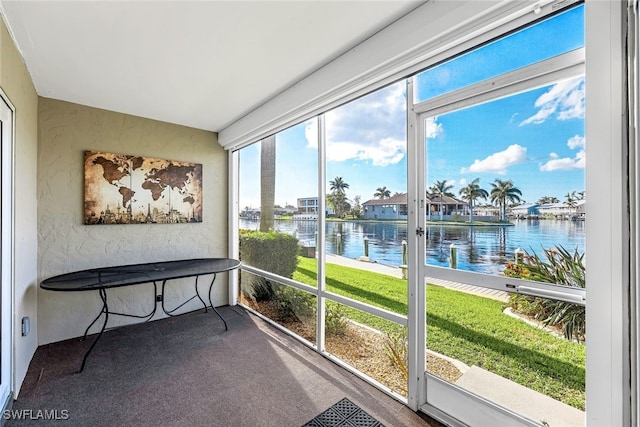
x=125 y=275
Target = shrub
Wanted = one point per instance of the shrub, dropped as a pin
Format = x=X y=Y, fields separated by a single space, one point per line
x=397 y=349
x=561 y=268
x=270 y=251
x=257 y=288
x=335 y=322
x=294 y=303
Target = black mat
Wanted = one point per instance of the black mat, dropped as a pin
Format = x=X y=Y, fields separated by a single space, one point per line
x=345 y=413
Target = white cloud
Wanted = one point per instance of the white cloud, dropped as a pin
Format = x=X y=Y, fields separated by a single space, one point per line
x=433 y=128
x=311 y=133
x=576 y=141
x=371 y=129
x=500 y=161
x=556 y=163
x=565 y=163
x=564 y=99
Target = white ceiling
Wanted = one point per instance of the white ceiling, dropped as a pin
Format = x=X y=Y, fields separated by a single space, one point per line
x=202 y=64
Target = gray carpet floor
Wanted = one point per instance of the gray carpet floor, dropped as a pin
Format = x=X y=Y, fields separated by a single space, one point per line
x=189 y=371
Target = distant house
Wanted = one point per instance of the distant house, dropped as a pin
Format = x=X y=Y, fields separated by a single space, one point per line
x=394 y=207
x=526 y=210
x=445 y=207
x=307 y=208
x=252 y=214
x=307 y=205
x=563 y=211
x=580 y=210
x=492 y=213
x=287 y=210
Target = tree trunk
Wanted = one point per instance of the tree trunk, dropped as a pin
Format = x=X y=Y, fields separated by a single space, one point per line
x=267 y=182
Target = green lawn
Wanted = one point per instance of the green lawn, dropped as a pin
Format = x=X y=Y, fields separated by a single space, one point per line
x=469 y=328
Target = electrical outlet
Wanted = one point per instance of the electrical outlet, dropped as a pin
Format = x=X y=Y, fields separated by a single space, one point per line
x=26 y=326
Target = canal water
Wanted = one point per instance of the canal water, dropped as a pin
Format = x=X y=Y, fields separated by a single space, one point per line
x=484 y=249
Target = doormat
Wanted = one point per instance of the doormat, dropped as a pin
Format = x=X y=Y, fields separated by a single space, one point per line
x=345 y=413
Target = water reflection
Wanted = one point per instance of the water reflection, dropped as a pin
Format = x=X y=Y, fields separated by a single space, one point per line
x=480 y=248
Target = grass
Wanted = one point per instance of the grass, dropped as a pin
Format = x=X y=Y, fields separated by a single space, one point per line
x=469 y=328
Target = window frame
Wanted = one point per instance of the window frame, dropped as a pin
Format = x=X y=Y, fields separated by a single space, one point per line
x=609 y=383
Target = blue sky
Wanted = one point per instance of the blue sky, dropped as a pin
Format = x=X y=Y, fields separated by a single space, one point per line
x=535 y=139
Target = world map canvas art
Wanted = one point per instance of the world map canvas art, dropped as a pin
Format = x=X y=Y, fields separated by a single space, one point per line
x=125 y=189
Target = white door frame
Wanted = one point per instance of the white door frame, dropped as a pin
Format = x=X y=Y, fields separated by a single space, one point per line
x=7 y=117
x=436 y=397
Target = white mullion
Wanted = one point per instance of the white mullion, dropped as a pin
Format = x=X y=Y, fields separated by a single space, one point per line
x=634 y=204
x=421 y=255
x=280 y=279
x=366 y=308
x=234 y=242
x=570 y=294
x=416 y=295
x=323 y=294
x=320 y=249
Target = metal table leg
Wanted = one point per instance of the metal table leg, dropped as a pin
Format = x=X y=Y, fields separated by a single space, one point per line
x=211 y=302
x=170 y=312
x=105 y=310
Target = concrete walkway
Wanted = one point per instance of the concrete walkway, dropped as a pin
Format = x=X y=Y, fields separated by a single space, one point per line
x=508 y=394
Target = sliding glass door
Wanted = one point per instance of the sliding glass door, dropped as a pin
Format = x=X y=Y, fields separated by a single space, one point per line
x=499 y=221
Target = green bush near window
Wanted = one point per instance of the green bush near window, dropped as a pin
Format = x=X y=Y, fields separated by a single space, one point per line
x=336 y=320
x=295 y=304
x=270 y=251
x=562 y=268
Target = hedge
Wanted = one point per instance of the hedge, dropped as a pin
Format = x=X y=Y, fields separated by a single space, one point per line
x=270 y=251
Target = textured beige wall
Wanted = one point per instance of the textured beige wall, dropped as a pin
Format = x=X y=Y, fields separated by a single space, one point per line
x=65 y=244
x=16 y=83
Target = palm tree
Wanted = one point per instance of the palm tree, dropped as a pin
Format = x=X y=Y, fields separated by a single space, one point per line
x=471 y=193
x=338 y=185
x=382 y=193
x=547 y=199
x=338 y=198
x=267 y=182
x=502 y=193
x=441 y=189
x=571 y=201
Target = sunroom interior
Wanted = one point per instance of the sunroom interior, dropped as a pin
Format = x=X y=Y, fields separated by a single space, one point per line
x=217 y=84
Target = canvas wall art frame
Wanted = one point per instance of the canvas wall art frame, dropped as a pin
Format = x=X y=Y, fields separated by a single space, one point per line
x=127 y=189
